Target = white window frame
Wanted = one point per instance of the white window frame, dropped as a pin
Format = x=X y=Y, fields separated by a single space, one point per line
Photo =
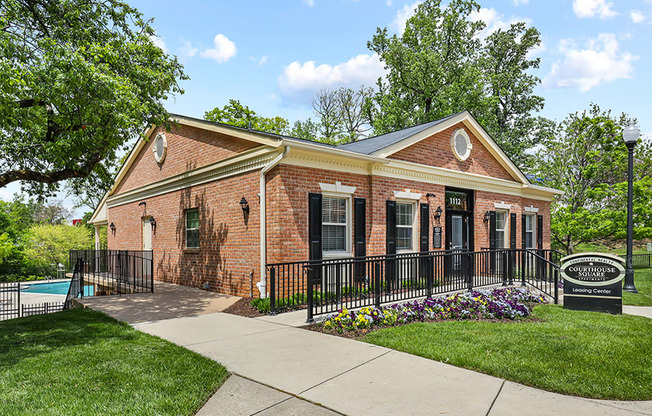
x=414 y=225
x=185 y=226
x=534 y=230
x=505 y=230
x=349 y=226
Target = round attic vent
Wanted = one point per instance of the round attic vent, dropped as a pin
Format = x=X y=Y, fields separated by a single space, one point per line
x=160 y=147
x=461 y=145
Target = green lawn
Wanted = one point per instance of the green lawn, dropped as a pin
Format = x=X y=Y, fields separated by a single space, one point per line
x=580 y=353
x=643 y=283
x=81 y=362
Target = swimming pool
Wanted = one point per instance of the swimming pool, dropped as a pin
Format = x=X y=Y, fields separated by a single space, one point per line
x=55 y=288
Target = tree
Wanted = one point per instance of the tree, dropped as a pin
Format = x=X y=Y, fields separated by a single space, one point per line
x=49 y=244
x=236 y=114
x=585 y=156
x=78 y=78
x=307 y=130
x=440 y=65
x=343 y=114
x=509 y=89
x=326 y=110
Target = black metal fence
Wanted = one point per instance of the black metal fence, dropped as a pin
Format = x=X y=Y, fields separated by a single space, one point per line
x=641 y=260
x=41 y=308
x=115 y=272
x=326 y=286
x=9 y=300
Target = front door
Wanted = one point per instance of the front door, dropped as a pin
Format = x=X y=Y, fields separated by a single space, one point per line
x=145 y=257
x=147 y=234
x=459 y=232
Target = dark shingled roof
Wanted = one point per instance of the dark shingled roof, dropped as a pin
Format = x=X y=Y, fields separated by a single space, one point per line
x=373 y=144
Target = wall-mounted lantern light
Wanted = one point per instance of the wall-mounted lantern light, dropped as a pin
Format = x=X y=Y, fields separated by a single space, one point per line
x=486 y=216
x=438 y=212
x=244 y=205
x=430 y=194
x=112 y=227
x=152 y=222
x=142 y=203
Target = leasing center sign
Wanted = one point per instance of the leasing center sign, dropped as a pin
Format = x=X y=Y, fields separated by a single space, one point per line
x=592 y=282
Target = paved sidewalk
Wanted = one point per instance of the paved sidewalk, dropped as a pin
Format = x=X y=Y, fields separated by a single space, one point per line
x=351 y=377
x=638 y=310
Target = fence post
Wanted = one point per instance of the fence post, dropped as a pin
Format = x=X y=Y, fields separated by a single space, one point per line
x=504 y=262
x=81 y=279
x=151 y=270
x=466 y=267
x=429 y=275
x=311 y=297
x=19 y=309
x=377 y=283
x=523 y=266
x=556 y=280
x=272 y=290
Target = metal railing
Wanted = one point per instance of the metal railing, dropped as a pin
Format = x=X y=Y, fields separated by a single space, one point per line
x=326 y=286
x=641 y=260
x=9 y=300
x=116 y=272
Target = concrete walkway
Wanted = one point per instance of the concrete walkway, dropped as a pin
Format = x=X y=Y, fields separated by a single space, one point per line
x=281 y=369
x=168 y=301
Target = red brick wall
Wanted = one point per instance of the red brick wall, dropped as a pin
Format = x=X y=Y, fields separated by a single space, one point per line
x=229 y=247
x=436 y=151
x=188 y=148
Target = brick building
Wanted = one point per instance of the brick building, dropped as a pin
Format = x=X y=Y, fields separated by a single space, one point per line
x=216 y=203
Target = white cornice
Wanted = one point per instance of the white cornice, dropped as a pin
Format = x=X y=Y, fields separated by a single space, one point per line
x=531 y=209
x=502 y=205
x=337 y=188
x=250 y=160
x=407 y=195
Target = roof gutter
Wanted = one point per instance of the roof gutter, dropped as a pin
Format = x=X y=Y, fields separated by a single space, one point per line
x=262 y=285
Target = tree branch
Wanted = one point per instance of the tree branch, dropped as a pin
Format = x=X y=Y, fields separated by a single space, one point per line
x=50 y=177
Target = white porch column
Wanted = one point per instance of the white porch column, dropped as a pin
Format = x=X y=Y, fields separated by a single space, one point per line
x=97 y=237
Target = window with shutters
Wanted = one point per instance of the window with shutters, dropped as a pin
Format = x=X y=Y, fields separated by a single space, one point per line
x=530 y=237
x=192 y=228
x=405 y=220
x=501 y=229
x=335 y=225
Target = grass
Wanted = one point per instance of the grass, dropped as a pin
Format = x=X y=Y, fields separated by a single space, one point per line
x=585 y=354
x=643 y=283
x=82 y=362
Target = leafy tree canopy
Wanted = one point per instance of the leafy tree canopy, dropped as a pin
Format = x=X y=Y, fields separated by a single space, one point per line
x=236 y=114
x=585 y=156
x=441 y=65
x=78 y=78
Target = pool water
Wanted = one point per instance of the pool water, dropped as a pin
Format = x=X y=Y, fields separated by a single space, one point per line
x=55 y=288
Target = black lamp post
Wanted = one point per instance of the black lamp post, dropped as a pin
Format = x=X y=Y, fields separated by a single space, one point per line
x=630 y=135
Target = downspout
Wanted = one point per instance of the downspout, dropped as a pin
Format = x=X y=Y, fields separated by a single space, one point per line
x=262 y=285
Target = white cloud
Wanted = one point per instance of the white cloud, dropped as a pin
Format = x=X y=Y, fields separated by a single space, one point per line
x=299 y=81
x=389 y=3
x=636 y=16
x=310 y=3
x=402 y=16
x=519 y=2
x=224 y=49
x=592 y=8
x=263 y=60
x=159 y=42
x=599 y=62
x=187 y=49
x=494 y=20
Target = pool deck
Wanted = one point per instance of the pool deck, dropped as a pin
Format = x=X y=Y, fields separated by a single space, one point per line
x=168 y=301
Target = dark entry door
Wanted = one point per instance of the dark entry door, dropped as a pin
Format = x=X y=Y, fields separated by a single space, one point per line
x=459 y=232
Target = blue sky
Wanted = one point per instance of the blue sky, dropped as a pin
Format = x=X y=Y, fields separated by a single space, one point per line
x=274 y=55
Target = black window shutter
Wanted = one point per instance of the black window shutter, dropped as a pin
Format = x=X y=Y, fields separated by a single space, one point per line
x=492 y=230
x=391 y=227
x=523 y=233
x=314 y=227
x=314 y=232
x=424 y=216
x=359 y=236
x=540 y=232
x=512 y=231
x=359 y=230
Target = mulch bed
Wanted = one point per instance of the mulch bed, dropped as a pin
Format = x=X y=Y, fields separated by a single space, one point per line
x=243 y=308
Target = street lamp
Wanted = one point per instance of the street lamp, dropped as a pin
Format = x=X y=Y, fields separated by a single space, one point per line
x=630 y=135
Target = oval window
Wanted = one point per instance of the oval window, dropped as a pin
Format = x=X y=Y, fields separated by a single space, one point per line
x=461 y=145
x=160 y=147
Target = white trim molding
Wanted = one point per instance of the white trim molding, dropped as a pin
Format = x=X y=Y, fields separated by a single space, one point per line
x=407 y=194
x=338 y=188
x=531 y=209
x=502 y=205
x=469 y=145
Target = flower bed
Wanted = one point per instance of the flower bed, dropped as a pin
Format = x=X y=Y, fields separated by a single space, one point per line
x=504 y=303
